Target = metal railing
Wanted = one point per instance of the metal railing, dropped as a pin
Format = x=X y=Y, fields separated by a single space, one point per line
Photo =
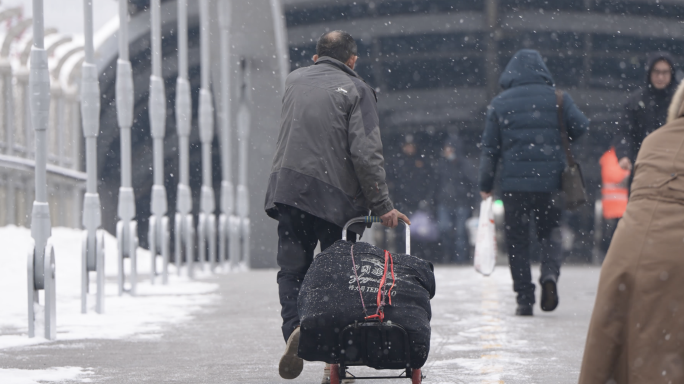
x=65 y=179
x=49 y=121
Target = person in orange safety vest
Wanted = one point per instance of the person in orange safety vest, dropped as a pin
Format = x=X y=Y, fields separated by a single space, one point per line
x=614 y=193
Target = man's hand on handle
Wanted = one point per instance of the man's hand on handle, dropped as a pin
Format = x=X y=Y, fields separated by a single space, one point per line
x=485 y=195
x=391 y=218
x=625 y=163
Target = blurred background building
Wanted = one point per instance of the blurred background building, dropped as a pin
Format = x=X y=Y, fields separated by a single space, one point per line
x=434 y=63
x=436 y=66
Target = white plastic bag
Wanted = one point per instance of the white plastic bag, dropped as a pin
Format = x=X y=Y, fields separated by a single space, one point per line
x=485 y=247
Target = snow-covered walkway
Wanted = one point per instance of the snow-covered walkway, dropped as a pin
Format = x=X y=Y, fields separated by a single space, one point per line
x=226 y=328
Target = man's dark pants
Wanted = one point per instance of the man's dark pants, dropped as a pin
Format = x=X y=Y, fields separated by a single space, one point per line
x=520 y=208
x=298 y=234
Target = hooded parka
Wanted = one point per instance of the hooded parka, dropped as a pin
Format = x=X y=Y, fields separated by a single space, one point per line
x=636 y=334
x=522 y=129
x=645 y=110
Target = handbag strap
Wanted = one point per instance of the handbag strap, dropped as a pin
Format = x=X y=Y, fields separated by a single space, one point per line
x=564 y=131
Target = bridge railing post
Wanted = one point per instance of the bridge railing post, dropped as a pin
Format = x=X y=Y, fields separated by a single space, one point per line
x=127 y=227
x=41 y=260
x=158 y=235
x=93 y=239
x=244 y=122
x=207 y=218
x=184 y=226
x=229 y=223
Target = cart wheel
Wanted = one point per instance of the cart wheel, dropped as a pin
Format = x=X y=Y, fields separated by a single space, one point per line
x=416 y=376
x=334 y=374
x=342 y=372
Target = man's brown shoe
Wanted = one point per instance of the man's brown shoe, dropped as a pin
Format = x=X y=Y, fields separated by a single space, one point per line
x=291 y=365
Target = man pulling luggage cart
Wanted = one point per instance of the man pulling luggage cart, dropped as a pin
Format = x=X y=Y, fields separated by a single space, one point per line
x=360 y=305
x=328 y=168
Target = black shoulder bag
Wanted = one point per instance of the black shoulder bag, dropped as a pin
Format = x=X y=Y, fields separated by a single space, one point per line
x=572 y=181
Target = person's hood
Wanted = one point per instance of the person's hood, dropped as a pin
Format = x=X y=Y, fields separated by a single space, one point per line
x=526 y=67
x=654 y=57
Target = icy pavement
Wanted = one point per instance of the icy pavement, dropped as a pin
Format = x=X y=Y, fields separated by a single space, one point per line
x=226 y=329
x=133 y=318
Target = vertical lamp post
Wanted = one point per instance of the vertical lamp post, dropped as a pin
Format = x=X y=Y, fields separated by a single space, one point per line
x=229 y=224
x=207 y=219
x=280 y=41
x=41 y=258
x=92 y=249
x=184 y=222
x=127 y=227
x=244 y=121
x=158 y=235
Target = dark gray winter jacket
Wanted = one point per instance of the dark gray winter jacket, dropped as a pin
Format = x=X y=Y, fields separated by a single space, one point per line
x=522 y=129
x=328 y=160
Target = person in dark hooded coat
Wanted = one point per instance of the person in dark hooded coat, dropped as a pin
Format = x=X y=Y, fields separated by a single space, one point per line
x=646 y=108
x=522 y=131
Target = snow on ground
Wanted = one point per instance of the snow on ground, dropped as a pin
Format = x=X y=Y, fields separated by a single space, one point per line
x=51 y=375
x=473 y=332
x=143 y=316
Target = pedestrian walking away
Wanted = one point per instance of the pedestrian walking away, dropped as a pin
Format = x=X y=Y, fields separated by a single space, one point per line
x=522 y=131
x=327 y=169
x=636 y=330
x=646 y=108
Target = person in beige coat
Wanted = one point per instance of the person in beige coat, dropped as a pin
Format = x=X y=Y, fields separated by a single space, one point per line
x=636 y=334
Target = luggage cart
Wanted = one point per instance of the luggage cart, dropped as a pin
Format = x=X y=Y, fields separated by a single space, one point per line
x=381 y=331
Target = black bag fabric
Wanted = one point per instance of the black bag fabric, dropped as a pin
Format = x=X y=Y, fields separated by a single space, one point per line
x=329 y=300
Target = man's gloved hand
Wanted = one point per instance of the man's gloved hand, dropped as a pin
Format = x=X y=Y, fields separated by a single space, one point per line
x=391 y=218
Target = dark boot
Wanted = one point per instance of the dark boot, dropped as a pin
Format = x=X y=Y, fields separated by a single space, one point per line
x=549 y=293
x=524 y=310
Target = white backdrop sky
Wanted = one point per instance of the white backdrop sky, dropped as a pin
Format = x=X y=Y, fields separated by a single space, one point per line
x=67 y=15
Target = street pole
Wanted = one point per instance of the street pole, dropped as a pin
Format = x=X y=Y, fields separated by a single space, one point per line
x=493 y=27
x=41 y=258
x=229 y=223
x=207 y=218
x=244 y=122
x=127 y=227
x=92 y=249
x=158 y=235
x=184 y=226
x=280 y=41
